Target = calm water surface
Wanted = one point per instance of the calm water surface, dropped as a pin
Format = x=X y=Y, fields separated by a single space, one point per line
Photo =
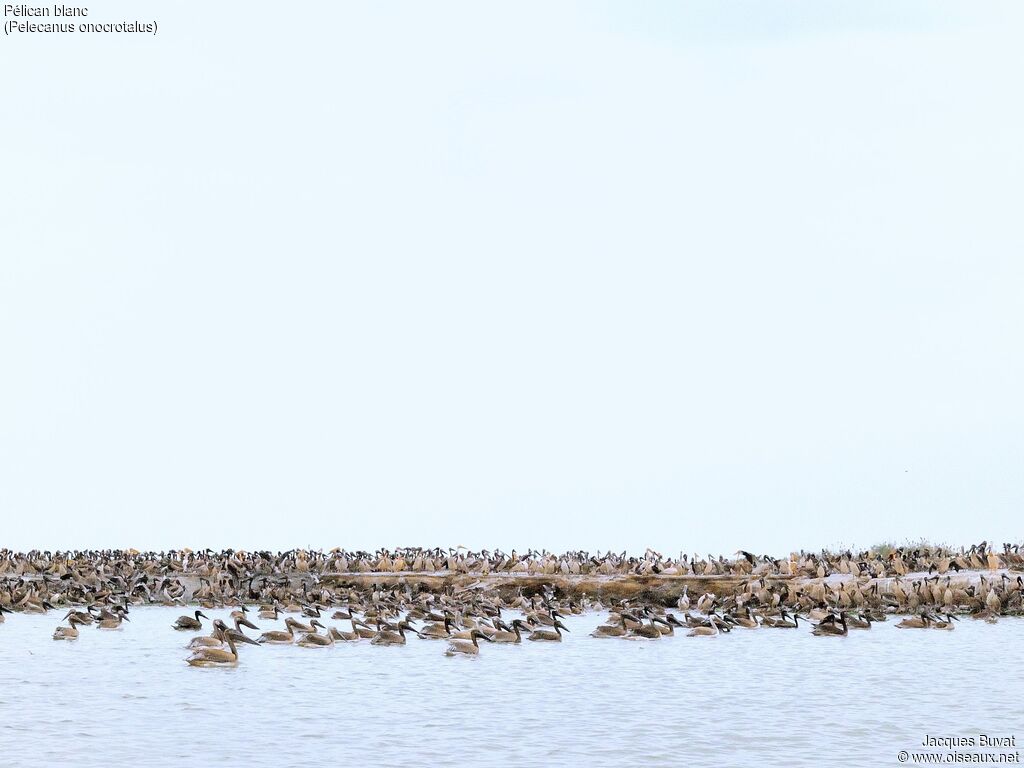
x=764 y=697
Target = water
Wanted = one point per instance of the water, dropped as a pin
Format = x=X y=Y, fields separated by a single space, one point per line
x=766 y=697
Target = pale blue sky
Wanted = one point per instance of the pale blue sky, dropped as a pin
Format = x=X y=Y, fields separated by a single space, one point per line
x=691 y=275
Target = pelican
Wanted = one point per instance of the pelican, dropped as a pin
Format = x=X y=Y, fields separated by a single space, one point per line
x=316 y=640
x=947 y=624
x=831 y=628
x=69 y=632
x=468 y=647
x=507 y=635
x=83 y=617
x=438 y=630
x=711 y=629
x=213 y=640
x=269 y=612
x=283 y=637
x=747 y=621
x=915 y=622
x=215 y=657
x=390 y=637
x=299 y=626
x=348 y=637
x=783 y=622
x=240 y=618
x=189 y=623
x=113 y=620
x=864 y=622
x=547 y=634
x=649 y=631
x=611 y=630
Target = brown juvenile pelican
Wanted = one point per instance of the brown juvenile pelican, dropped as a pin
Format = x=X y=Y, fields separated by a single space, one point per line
x=279 y=637
x=34 y=607
x=648 y=631
x=348 y=637
x=69 y=632
x=548 y=635
x=508 y=634
x=299 y=626
x=390 y=637
x=189 y=623
x=746 y=621
x=219 y=636
x=341 y=615
x=214 y=640
x=269 y=612
x=315 y=639
x=831 y=628
x=112 y=620
x=863 y=622
x=438 y=629
x=83 y=617
x=215 y=657
x=468 y=647
x=706 y=630
x=611 y=630
x=240 y=618
x=782 y=622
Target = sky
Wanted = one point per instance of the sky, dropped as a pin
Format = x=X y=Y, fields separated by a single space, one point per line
x=696 y=276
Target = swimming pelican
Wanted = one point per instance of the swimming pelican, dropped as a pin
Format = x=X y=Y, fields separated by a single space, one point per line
x=509 y=635
x=390 y=637
x=214 y=640
x=215 y=657
x=782 y=622
x=648 y=631
x=548 y=635
x=438 y=629
x=112 y=620
x=611 y=630
x=69 y=632
x=864 y=622
x=282 y=637
x=468 y=647
x=189 y=623
x=711 y=629
x=348 y=637
x=315 y=639
x=831 y=628
x=240 y=618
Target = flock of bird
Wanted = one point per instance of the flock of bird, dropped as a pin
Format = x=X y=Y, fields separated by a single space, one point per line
x=146 y=574
x=292 y=591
